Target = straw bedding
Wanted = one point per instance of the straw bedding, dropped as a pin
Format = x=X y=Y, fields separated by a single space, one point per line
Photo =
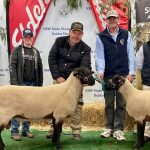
x=93 y=117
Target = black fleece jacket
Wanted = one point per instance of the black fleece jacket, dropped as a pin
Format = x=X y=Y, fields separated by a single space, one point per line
x=63 y=59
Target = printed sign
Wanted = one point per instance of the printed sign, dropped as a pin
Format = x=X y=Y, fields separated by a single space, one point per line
x=4 y=71
x=26 y=14
x=142 y=11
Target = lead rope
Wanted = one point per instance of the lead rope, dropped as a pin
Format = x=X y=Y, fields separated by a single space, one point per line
x=102 y=82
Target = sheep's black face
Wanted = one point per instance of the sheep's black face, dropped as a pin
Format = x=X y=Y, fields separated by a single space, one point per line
x=115 y=83
x=84 y=75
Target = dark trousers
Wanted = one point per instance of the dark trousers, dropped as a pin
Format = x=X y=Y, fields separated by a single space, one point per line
x=115 y=114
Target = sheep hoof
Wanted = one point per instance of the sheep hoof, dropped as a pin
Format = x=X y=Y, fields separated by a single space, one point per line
x=136 y=149
x=2 y=147
x=137 y=146
x=59 y=148
x=54 y=141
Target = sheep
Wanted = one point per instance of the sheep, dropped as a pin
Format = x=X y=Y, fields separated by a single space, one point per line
x=56 y=101
x=137 y=104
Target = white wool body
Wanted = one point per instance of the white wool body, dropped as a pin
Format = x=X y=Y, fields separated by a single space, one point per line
x=59 y=100
x=137 y=101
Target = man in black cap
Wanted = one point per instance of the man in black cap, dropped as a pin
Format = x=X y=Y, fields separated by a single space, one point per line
x=66 y=54
x=25 y=70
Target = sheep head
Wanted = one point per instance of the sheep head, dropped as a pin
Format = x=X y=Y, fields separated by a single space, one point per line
x=115 y=82
x=84 y=75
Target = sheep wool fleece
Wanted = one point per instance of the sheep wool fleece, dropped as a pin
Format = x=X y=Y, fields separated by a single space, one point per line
x=75 y=118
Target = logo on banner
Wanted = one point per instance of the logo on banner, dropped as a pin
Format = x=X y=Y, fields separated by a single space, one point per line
x=3 y=34
x=64 y=11
x=31 y=15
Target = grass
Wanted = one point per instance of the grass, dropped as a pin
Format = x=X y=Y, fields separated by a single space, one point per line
x=90 y=141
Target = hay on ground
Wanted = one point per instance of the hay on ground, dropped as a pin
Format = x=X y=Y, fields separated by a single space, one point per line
x=93 y=117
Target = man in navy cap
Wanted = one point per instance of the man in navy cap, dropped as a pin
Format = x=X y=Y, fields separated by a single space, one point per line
x=25 y=70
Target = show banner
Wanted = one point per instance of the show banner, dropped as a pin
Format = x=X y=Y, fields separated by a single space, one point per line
x=142 y=11
x=142 y=8
x=25 y=14
x=4 y=72
x=143 y=21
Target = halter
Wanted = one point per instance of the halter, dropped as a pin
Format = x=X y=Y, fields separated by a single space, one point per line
x=84 y=79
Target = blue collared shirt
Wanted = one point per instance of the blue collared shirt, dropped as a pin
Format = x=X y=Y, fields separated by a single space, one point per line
x=99 y=54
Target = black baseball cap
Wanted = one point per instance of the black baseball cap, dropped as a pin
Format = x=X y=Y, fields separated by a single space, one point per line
x=77 y=26
x=27 y=31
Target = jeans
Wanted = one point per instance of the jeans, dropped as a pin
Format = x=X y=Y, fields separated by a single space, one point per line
x=26 y=124
x=15 y=127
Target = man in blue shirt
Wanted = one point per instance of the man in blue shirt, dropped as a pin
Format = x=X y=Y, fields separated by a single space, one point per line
x=114 y=55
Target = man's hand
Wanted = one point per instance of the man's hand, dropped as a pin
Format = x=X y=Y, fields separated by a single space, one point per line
x=100 y=76
x=60 y=80
x=130 y=77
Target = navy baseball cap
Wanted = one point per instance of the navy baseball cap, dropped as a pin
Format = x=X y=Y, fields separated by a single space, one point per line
x=27 y=31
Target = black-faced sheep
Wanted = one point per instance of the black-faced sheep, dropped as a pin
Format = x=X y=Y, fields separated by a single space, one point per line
x=57 y=101
x=137 y=104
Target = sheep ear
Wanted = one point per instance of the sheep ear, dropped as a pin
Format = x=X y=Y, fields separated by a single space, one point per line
x=121 y=80
x=75 y=73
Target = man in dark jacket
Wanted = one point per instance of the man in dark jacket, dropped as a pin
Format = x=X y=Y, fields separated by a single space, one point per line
x=25 y=70
x=66 y=54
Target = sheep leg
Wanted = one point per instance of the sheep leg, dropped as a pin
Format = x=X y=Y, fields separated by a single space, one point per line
x=140 y=136
x=57 y=133
x=54 y=133
x=2 y=145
